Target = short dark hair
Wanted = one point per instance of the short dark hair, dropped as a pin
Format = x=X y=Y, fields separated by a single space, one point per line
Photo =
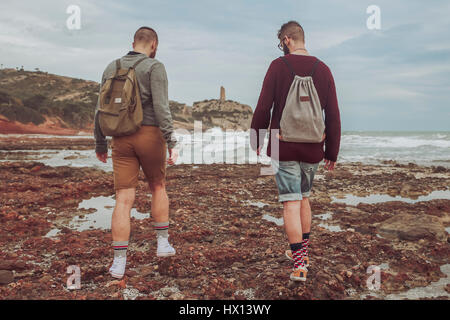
x=145 y=34
x=293 y=30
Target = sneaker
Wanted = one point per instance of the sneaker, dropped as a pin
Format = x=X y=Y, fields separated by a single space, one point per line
x=117 y=269
x=164 y=248
x=299 y=274
x=288 y=254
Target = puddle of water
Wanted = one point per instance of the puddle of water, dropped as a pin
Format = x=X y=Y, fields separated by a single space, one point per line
x=100 y=219
x=55 y=157
x=384 y=266
x=434 y=290
x=352 y=200
x=324 y=216
x=277 y=221
x=52 y=233
x=258 y=204
x=332 y=228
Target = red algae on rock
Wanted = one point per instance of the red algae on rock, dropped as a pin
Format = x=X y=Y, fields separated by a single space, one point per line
x=225 y=249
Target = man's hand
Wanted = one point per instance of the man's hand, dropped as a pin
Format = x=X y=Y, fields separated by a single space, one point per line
x=258 y=151
x=173 y=156
x=102 y=156
x=329 y=165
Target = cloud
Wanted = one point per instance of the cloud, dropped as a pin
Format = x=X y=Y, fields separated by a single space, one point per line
x=383 y=77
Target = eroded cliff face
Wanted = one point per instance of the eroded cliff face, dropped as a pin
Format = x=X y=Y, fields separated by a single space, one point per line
x=224 y=114
x=39 y=102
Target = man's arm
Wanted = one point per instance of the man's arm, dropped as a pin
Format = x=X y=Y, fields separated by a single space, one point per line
x=261 y=116
x=101 y=145
x=160 y=96
x=332 y=123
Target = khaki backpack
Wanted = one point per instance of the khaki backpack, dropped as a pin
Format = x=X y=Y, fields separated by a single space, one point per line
x=120 y=109
x=302 y=117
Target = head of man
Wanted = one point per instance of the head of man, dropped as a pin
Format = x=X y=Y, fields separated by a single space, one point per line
x=291 y=36
x=146 y=41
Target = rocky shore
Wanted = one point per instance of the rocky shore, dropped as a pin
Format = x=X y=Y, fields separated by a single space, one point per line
x=227 y=231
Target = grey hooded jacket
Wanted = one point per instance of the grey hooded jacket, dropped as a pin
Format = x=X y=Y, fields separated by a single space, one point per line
x=153 y=85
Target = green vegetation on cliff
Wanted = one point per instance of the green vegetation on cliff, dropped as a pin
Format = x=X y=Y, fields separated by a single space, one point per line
x=29 y=96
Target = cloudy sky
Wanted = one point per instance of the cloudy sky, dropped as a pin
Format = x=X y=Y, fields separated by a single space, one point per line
x=395 y=78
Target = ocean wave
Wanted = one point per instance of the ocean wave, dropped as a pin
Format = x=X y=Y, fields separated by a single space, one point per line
x=395 y=141
x=234 y=147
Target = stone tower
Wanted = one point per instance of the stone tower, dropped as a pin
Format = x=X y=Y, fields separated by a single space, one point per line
x=222 y=93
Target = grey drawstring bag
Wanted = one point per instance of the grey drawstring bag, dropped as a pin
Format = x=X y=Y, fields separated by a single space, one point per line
x=302 y=117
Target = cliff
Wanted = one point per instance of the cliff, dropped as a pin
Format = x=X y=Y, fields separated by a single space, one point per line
x=39 y=102
x=225 y=114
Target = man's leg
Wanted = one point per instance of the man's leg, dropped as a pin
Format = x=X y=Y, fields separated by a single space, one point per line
x=293 y=227
x=292 y=222
x=305 y=216
x=160 y=214
x=308 y=171
x=288 y=178
x=120 y=227
x=120 y=223
x=160 y=202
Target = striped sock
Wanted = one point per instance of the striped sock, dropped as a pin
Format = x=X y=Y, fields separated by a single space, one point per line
x=297 y=254
x=305 y=244
x=162 y=229
x=120 y=249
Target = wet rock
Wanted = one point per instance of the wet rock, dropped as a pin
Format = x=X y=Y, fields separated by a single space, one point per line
x=176 y=296
x=413 y=227
x=119 y=283
x=168 y=291
x=6 y=276
x=439 y=169
x=245 y=258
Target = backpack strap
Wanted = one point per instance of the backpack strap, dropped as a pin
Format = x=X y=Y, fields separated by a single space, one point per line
x=289 y=66
x=314 y=67
x=137 y=62
x=117 y=66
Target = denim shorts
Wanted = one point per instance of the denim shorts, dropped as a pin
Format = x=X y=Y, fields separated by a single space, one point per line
x=294 y=179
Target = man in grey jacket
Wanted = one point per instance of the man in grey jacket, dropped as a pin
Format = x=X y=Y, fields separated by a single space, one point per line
x=145 y=148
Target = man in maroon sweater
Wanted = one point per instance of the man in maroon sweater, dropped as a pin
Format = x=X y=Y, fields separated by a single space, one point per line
x=296 y=163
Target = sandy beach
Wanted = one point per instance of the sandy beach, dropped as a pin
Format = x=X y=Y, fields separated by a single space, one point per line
x=227 y=228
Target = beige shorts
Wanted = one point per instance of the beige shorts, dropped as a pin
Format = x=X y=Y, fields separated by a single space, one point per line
x=145 y=148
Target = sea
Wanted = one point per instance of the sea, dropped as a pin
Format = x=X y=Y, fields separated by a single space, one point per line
x=431 y=148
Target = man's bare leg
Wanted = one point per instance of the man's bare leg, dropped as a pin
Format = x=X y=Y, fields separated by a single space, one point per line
x=120 y=228
x=292 y=222
x=305 y=215
x=120 y=223
x=293 y=227
x=160 y=202
x=160 y=214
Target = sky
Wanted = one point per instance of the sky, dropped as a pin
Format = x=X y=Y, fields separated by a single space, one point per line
x=392 y=78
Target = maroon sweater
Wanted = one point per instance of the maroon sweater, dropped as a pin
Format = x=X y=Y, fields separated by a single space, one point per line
x=274 y=92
